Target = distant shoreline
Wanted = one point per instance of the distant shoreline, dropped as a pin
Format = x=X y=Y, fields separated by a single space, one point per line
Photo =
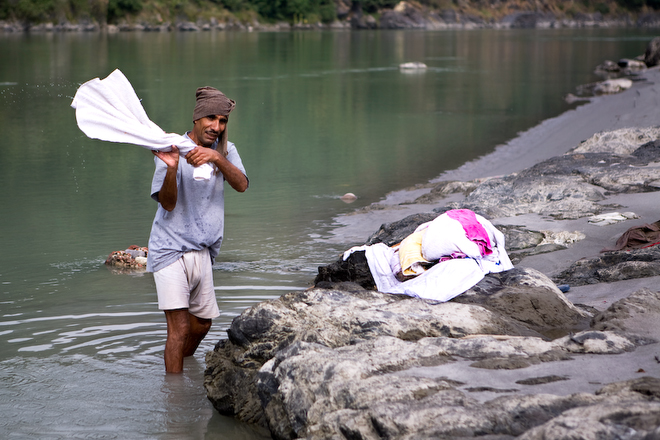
x=424 y=20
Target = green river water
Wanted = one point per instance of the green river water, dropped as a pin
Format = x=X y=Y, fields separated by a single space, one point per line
x=318 y=114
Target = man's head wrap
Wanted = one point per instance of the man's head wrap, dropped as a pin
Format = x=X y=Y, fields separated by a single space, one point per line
x=211 y=101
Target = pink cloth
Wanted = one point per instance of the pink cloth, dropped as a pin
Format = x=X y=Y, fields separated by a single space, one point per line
x=473 y=229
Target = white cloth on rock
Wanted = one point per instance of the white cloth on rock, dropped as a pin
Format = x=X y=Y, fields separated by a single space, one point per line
x=445 y=236
x=446 y=279
x=108 y=109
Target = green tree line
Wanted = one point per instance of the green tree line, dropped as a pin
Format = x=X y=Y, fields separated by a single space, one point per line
x=293 y=11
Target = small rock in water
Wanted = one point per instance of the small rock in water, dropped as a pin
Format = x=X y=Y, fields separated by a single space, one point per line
x=412 y=66
x=348 y=198
x=612 y=86
x=571 y=98
x=135 y=257
x=631 y=64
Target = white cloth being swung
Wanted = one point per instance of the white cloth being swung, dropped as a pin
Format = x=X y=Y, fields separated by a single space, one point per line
x=108 y=109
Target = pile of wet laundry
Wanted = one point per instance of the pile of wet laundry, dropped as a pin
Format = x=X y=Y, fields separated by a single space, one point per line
x=441 y=259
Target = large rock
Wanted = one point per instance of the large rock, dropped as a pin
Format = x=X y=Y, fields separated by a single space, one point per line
x=334 y=364
x=652 y=53
x=569 y=186
x=626 y=410
x=636 y=314
x=529 y=297
x=612 y=266
x=335 y=317
x=316 y=393
x=298 y=364
x=622 y=142
x=310 y=391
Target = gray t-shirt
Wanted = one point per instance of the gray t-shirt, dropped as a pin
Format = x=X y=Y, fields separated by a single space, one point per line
x=196 y=222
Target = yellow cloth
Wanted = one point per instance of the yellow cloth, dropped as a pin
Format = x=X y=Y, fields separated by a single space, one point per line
x=410 y=254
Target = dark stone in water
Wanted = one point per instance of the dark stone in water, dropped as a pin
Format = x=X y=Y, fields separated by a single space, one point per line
x=354 y=269
x=541 y=380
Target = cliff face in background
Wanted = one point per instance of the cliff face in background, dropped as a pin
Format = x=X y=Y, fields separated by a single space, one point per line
x=189 y=15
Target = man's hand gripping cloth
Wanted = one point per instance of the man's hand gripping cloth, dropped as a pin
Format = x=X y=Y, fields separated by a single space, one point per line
x=109 y=110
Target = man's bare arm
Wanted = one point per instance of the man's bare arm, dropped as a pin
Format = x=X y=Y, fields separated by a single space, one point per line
x=167 y=196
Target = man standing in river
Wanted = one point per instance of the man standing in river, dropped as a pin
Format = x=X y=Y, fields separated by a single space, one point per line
x=187 y=231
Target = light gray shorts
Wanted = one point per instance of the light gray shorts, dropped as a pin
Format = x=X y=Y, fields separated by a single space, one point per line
x=188 y=284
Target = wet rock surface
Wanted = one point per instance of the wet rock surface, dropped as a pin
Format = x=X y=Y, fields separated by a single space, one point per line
x=339 y=364
x=612 y=266
x=652 y=53
x=510 y=357
x=569 y=186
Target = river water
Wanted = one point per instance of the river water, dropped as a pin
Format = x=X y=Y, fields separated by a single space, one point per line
x=318 y=114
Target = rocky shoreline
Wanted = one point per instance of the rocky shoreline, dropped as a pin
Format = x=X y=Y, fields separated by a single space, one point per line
x=341 y=360
x=513 y=357
x=405 y=15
